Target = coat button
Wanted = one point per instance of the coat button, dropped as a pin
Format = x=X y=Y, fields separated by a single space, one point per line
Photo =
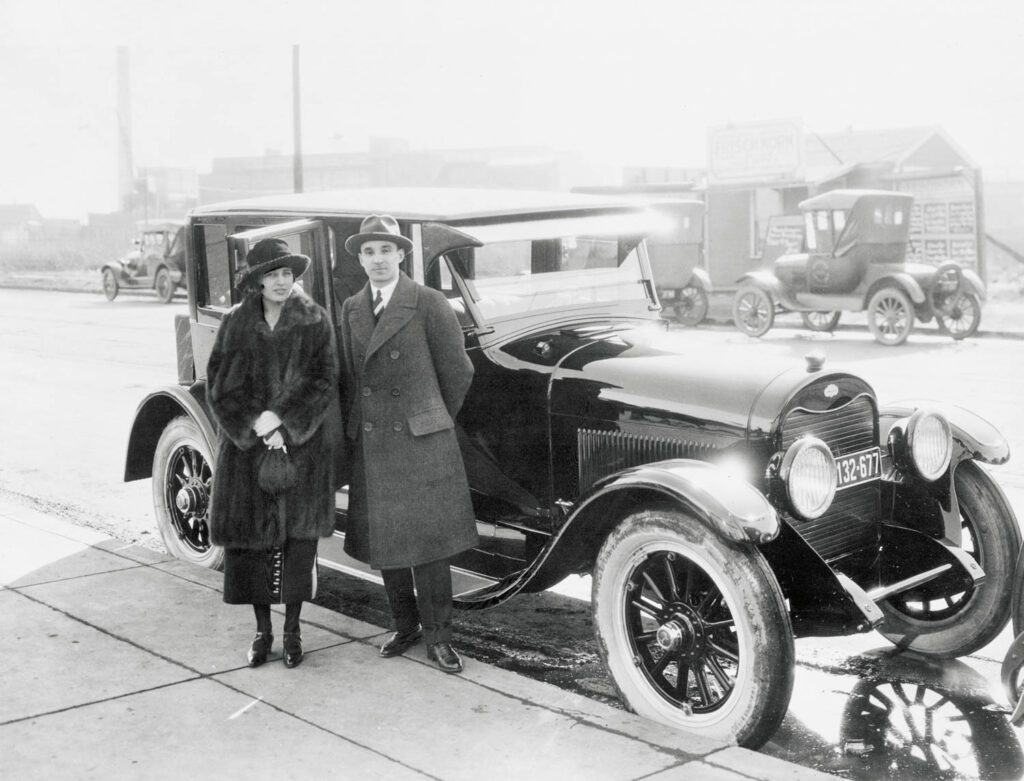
x=367 y=391
x=394 y=355
x=367 y=426
x=396 y=392
x=362 y=356
x=397 y=426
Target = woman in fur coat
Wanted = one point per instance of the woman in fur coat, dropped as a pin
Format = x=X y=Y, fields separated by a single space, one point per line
x=271 y=378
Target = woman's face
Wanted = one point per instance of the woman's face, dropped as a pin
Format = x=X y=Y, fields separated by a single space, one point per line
x=277 y=284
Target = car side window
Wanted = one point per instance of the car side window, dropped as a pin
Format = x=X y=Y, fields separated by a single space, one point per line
x=212 y=254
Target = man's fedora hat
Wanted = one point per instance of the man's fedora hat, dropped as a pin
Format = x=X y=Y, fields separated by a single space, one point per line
x=378 y=227
x=267 y=255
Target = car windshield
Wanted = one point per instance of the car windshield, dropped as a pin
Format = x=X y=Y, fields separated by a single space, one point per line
x=529 y=268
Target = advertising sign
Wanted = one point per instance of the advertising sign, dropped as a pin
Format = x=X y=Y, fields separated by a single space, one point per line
x=756 y=152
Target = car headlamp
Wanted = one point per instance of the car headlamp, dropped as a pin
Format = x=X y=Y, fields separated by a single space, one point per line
x=809 y=473
x=930 y=443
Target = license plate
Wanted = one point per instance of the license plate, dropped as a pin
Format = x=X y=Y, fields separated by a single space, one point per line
x=860 y=467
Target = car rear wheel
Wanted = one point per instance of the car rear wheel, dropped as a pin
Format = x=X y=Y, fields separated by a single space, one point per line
x=890 y=316
x=962 y=318
x=753 y=311
x=164 y=286
x=110 y=286
x=691 y=306
x=821 y=321
x=694 y=632
x=182 y=481
x=961 y=623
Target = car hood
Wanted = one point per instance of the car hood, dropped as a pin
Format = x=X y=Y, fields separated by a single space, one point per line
x=652 y=376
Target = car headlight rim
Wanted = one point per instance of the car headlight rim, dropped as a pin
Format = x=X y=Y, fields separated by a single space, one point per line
x=809 y=475
x=929 y=443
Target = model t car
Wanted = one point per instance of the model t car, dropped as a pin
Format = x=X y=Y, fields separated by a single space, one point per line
x=855 y=260
x=723 y=505
x=157 y=263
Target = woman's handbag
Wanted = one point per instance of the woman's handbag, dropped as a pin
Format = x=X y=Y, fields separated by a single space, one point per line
x=277 y=472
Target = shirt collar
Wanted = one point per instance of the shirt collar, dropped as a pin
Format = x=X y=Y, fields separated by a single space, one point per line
x=385 y=292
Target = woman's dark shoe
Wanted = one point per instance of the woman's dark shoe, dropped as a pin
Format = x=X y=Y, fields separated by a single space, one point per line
x=401 y=642
x=293 y=655
x=260 y=648
x=445 y=656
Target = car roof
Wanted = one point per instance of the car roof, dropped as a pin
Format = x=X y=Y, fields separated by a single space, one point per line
x=443 y=204
x=845 y=199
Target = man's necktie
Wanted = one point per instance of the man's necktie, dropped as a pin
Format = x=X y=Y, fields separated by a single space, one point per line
x=378 y=305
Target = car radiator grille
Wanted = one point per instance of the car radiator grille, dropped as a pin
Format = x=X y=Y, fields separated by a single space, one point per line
x=851 y=523
x=602 y=453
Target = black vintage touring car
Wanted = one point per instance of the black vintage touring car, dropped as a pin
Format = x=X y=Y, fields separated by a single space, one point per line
x=722 y=505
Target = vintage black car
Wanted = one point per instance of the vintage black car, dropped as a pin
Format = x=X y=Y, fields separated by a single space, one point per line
x=854 y=261
x=723 y=505
x=156 y=263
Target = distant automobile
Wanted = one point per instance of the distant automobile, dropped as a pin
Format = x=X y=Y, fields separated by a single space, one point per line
x=723 y=502
x=855 y=260
x=157 y=263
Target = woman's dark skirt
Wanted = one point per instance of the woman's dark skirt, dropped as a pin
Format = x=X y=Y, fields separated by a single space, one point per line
x=271 y=576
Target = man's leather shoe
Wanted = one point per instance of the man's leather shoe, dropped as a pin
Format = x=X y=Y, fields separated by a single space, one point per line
x=401 y=642
x=445 y=656
x=293 y=655
x=260 y=648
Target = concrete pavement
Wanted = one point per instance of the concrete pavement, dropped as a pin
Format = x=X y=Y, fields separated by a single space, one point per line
x=122 y=663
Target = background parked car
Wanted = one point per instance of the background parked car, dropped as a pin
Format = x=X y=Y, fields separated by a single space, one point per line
x=157 y=262
x=855 y=260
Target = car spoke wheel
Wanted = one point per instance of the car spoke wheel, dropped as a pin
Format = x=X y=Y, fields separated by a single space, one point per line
x=962 y=318
x=691 y=306
x=110 y=285
x=960 y=623
x=890 y=316
x=753 y=311
x=164 y=286
x=182 y=482
x=821 y=321
x=694 y=632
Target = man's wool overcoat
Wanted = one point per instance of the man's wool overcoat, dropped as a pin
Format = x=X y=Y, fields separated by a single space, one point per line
x=405 y=379
x=291 y=370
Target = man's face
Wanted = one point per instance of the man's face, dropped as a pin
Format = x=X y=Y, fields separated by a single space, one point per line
x=380 y=260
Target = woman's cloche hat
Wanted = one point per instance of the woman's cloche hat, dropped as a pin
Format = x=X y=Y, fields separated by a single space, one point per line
x=267 y=255
x=377 y=227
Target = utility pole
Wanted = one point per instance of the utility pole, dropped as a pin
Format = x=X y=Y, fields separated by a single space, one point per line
x=297 y=116
x=125 y=165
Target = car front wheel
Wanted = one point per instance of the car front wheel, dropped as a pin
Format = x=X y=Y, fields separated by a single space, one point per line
x=890 y=316
x=110 y=285
x=957 y=624
x=694 y=632
x=962 y=318
x=182 y=482
x=164 y=286
x=753 y=311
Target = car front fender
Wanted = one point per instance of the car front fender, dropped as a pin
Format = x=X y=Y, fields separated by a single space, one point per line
x=762 y=278
x=152 y=416
x=974 y=283
x=973 y=436
x=700 y=278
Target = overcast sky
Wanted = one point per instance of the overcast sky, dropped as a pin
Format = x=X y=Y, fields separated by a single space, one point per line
x=625 y=83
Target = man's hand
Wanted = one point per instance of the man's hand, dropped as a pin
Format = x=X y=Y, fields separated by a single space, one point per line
x=265 y=423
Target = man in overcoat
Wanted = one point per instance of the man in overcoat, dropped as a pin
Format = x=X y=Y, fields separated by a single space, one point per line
x=406 y=374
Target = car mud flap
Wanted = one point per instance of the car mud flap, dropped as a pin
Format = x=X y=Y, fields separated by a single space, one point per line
x=918 y=567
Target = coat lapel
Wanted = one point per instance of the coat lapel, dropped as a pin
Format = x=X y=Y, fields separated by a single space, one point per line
x=360 y=319
x=397 y=313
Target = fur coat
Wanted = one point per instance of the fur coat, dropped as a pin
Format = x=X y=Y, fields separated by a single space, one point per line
x=291 y=370
x=405 y=379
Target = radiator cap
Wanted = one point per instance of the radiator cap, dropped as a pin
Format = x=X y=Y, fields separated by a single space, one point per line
x=815 y=360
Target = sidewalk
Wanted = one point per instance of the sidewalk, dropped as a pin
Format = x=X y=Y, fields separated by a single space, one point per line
x=125 y=664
